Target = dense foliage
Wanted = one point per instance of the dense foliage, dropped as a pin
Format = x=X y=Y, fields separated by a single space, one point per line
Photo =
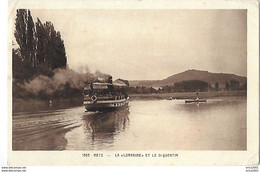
x=39 y=51
x=41 y=48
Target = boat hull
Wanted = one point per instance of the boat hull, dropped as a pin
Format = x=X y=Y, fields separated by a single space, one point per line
x=196 y=101
x=102 y=105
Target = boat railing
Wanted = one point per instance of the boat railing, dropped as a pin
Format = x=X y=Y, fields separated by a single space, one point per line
x=105 y=97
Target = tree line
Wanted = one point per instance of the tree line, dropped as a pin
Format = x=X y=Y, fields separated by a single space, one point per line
x=41 y=48
x=188 y=86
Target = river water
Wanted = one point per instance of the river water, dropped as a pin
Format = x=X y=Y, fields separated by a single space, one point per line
x=219 y=124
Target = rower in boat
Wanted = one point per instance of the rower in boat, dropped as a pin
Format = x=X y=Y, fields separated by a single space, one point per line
x=197 y=100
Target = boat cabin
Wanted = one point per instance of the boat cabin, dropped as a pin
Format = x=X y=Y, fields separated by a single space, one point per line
x=105 y=91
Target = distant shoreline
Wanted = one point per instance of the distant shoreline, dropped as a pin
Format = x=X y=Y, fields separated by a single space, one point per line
x=179 y=95
x=187 y=95
x=19 y=104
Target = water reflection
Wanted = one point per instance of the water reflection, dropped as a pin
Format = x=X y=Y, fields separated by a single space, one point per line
x=99 y=130
x=104 y=126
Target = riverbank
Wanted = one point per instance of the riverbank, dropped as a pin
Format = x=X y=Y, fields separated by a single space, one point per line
x=20 y=105
x=187 y=95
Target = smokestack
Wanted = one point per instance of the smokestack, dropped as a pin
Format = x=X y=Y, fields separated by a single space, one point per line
x=109 y=79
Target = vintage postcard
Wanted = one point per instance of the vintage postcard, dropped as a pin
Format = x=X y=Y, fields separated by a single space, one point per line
x=133 y=83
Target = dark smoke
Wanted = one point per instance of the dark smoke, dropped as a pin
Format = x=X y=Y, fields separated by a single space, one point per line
x=61 y=77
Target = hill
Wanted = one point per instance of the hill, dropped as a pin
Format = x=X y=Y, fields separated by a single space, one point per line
x=206 y=76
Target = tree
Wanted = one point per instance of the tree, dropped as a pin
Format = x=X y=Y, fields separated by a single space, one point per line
x=227 y=85
x=216 y=86
x=209 y=86
x=152 y=90
x=41 y=42
x=24 y=35
x=190 y=85
x=39 y=45
x=16 y=65
x=166 y=89
x=50 y=46
x=59 y=54
x=234 y=84
x=55 y=50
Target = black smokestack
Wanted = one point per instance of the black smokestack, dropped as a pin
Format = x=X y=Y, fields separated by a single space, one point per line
x=109 y=79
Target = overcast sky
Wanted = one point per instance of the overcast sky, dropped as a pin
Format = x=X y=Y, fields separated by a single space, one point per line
x=152 y=44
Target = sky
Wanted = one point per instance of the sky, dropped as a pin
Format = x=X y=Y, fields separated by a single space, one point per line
x=146 y=44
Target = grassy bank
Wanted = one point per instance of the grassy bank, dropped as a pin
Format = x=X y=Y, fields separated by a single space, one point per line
x=187 y=95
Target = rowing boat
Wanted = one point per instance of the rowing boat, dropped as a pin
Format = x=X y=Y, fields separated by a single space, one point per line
x=196 y=101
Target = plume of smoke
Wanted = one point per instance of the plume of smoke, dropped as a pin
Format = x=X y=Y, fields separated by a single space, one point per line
x=82 y=69
x=101 y=76
x=38 y=83
x=61 y=77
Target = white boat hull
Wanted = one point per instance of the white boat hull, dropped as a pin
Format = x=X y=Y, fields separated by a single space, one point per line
x=101 y=105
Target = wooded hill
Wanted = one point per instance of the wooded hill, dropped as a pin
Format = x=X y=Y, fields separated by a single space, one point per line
x=211 y=78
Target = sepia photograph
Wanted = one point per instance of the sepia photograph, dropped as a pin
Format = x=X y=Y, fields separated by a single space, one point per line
x=129 y=79
x=121 y=80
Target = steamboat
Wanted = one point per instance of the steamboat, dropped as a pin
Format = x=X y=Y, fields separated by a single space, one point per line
x=101 y=96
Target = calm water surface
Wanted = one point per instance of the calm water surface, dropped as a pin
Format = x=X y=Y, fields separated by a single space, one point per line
x=219 y=124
